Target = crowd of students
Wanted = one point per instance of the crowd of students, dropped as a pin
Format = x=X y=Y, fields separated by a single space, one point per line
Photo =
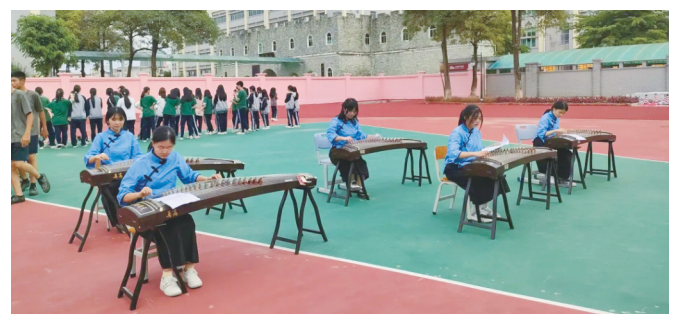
x=252 y=109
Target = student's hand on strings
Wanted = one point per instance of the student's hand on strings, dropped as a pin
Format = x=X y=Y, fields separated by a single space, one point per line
x=215 y=176
x=561 y=131
x=102 y=157
x=146 y=191
x=348 y=139
x=481 y=153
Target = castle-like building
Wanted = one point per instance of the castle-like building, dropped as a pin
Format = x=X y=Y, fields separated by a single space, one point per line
x=329 y=44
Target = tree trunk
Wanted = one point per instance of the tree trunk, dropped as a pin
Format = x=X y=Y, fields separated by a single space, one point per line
x=82 y=68
x=131 y=55
x=445 y=62
x=473 y=87
x=516 y=35
x=153 y=57
x=103 y=70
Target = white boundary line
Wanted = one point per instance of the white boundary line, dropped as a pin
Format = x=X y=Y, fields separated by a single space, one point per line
x=514 y=295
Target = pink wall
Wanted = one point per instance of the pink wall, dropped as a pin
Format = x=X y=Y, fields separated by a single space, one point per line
x=312 y=90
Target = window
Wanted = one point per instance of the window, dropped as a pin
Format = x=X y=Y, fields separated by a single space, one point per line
x=564 y=37
x=310 y=41
x=232 y=51
x=584 y=66
x=329 y=72
x=260 y=48
x=328 y=38
x=529 y=37
x=383 y=37
x=274 y=46
x=291 y=44
x=219 y=20
x=405 y=34
x=220 y=52
x=237 y=16
x=246 y=50
x=366 y=39
x=255 y=12
x=431 y=31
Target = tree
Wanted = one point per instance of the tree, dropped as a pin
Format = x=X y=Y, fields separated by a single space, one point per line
x=442 y=21
x=544 y=19
x=476 y=26
x=47 y=40
x=132 y=26
x=621 y=27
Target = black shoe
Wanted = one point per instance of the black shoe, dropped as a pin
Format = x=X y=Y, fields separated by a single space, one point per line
x=44 y=183
x=18 y=199
x=25 y=183
x=33 y=191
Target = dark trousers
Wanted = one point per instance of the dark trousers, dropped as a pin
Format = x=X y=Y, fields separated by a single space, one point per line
x=51 y=135
x=61 y=134
x=169 y=120
x=95 y=127
x=208 y=122
x=111 y=205
x=235 y=118
x=481 y=189
x=146 y=126
x=244 y=118
x=255 y=120
x=222 y=122
x=290 y=117
x=158 y=122
x=177 y=121
x=296 y=117
x=344 y=167
x=564 y=159
x=190 y=120
x=129 y=126
x=274 y=109
x=178 y=234
x=78 y=124
x=198 y=123
x=264 y=118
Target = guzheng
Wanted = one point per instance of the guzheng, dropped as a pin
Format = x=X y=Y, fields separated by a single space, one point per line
x=501 y=160
x=358 y=148
x=106 y=173
x=566 y=140
x=147 y=214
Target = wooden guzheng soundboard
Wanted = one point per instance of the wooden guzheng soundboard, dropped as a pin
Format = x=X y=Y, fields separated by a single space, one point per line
x=106 y=173
x=590 y=135
x=501 y=160
x=147 y=214
x=358 y=148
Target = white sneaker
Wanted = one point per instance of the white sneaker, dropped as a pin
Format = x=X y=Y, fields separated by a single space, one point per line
x=298 y=126
x=76 y=146
x=190 y=137
x=240 y=133
x=485 y=210
x=170 y=286
x=355 y=188
x=55 y=147
x=266 y=128
x=180 y=138
x=191 y=278
x=289 y=126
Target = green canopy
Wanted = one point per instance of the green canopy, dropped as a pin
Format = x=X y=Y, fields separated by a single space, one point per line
x=646 y=52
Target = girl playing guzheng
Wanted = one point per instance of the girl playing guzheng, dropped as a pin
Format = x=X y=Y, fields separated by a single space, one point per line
x=150 y=175
x=111 y=146
x=548 y=127
x=345 y=129
x=465 y=144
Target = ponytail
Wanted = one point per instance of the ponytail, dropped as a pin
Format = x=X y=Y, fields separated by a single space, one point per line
x=92 y=93
x=59 y=94
x=125 y=93
x=76 y=91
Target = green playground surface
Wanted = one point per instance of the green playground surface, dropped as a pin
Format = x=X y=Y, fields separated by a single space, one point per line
x=604 y=248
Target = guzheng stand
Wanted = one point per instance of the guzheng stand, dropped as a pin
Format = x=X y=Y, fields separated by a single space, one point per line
x=410 y=156
x=611 y=163
x=492 y=226
x=576 y=160
x=353 y=169
x=222 y=209
x=526 y=170
x=102 y=192
x=298 y=218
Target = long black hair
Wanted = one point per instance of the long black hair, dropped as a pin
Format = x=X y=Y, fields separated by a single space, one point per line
x=92 y=94
x=38 y=90
x=125 y=94
x=174 y=93
x=162 y=92
x=146 y=90
x=252 y=89
x=198 y=93
x=265 y=93
x=349 y=104
x=469 y=114
x=220 y=94
x=115 y=111
x=76 y=92
x=162 y=134
x=59 y=94
x=558 y=105
x=208 y=94
x=296 y=98
x=273 y=93
x=187 y=95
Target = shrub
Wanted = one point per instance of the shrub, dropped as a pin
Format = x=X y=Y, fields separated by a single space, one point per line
x=538 y=100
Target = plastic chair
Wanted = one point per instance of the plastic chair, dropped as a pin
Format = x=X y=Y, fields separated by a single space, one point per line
x=321 y=142
x=440 y=153
x=525 y=132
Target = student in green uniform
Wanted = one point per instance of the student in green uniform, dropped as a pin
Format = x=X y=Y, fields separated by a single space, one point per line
x=242 y=107
x=209 y=108
x=62 y=110
x=48 y=118
x=188 y=113
x=148 y=114
x=169 y=112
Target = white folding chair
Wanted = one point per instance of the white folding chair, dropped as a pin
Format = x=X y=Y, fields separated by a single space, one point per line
x=321 y=142
x=528 y=132
x=138 y=252
x=440 y=153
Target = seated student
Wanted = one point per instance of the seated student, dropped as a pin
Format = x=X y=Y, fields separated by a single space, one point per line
x=345 y=129
x=465 y=144
x=151 y=175
x=548 y=126
x=110 y=146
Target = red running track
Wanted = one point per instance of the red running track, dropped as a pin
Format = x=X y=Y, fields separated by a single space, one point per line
x=50 y=276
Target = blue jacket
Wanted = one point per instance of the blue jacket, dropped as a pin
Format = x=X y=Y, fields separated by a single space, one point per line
x=461 y=140
x=350 y=128
x=155 y=173
x=547 y=123
x=120 y=147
